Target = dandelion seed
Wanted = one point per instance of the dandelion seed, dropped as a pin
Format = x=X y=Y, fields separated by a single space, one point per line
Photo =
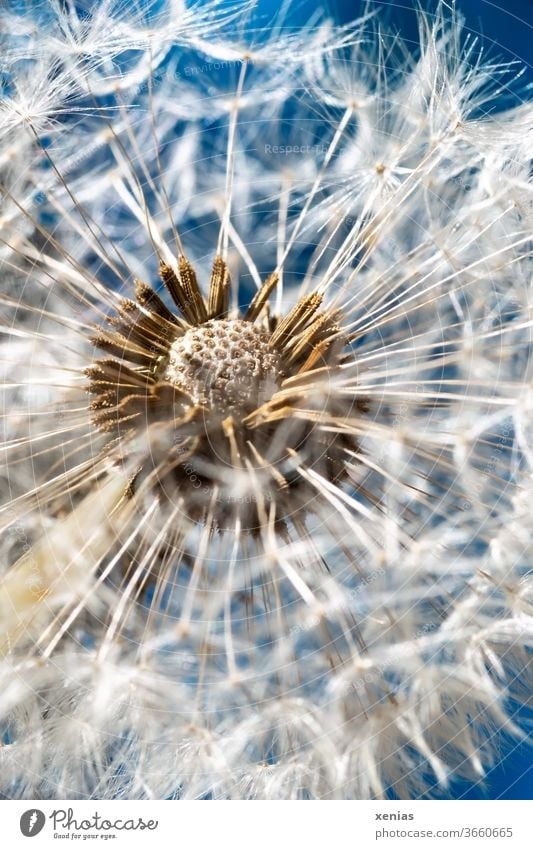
x=266 y=423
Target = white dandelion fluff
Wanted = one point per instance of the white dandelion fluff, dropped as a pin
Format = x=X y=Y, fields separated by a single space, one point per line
x=267 y=442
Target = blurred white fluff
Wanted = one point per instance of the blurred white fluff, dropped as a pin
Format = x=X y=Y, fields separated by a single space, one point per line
x=377 y=649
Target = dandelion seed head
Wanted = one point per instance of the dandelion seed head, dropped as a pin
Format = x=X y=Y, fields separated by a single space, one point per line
x=266 y=342
x=236 y=395
x=226 y=365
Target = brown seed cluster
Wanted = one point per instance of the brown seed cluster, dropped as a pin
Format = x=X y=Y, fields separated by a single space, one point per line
x=214 y=396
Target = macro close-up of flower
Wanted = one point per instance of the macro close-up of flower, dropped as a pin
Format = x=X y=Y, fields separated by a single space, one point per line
x=267 y=421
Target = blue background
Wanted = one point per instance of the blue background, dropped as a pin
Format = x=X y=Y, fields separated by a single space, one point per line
x=506 y=27
x=507 y=34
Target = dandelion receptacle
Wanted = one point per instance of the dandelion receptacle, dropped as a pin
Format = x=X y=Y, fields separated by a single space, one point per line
x=267 y=441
